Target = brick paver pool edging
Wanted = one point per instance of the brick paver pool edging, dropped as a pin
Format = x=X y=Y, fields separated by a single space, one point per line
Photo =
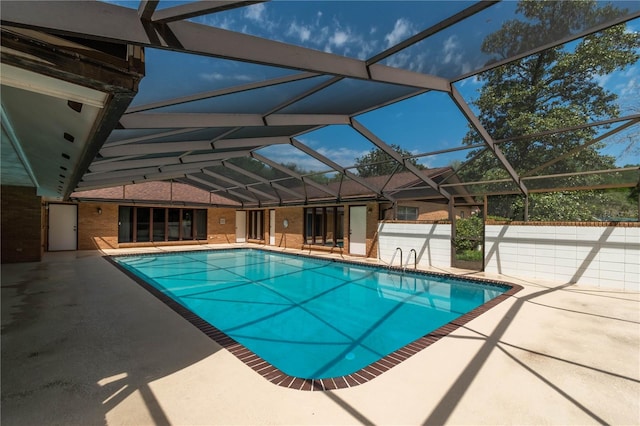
x=370 y=372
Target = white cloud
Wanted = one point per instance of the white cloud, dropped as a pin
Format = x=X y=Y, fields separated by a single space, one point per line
x=225 y=23
x=631 y=88
x=473 y=80
x=401 y=30
x=366 y=49
x=426 y=162
x=255 y=12
x=315 y=32
x=300 y=159
x=451 y=51
x=343 y=156
x=322 y=36
x=628 y=94
x=303 y=33
x=259 y=16
x=466 y=67
x=418 y=62
x=287 y=154
x=399 y=60
x=413 y=62
x=630 y=72
x=216 y=76
x=602 y=79
x=339 y=38
x=212 y=76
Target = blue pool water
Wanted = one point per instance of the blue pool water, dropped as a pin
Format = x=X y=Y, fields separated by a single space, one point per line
x=311 y=318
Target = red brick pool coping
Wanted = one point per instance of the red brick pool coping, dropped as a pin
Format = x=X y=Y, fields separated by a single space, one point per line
x=370 y=372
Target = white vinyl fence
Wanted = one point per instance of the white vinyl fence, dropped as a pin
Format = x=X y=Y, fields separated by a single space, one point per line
x=432 y=243
x=601 y=256
x=587 y=254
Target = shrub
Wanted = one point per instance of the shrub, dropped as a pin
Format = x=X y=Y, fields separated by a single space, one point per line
x=470 y=256
x=469 y=233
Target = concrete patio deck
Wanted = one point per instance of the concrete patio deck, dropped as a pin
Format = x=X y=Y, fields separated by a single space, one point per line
x=82 y=344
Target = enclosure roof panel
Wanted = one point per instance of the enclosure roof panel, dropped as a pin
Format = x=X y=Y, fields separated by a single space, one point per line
x=249 y=100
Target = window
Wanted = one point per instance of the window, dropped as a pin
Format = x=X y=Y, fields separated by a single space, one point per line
x=148 y=224
x=201 y=224
x=324 y=226
x=407 y=213
x=256 y=220
x=159 y=224
x=142 y=217
x=187 y=224
x=174 y=225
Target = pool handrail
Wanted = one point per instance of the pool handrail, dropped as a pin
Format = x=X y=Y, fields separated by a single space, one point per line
x=415 y=259
x=394 y=256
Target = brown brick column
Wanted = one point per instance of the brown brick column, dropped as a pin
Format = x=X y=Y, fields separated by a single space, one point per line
x=22 y=225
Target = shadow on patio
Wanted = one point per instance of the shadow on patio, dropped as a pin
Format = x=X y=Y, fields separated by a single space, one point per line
x=77 y=344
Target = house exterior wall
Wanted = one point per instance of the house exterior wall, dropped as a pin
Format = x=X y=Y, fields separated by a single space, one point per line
x=264 y=237
x=97 y=231
x=587 y=253
x=372 y=230
x=429 y=211
x=221 y=226
x=100 y=231
x=292 y=236
x=431 y=241
x=22 y=225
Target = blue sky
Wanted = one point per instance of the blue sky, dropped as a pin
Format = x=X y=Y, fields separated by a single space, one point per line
x=425 y=123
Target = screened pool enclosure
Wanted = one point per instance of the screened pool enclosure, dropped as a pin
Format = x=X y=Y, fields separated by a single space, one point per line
x=533 y=105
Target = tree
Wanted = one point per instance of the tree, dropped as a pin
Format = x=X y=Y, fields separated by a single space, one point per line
x=548 y=90
x=378 y=163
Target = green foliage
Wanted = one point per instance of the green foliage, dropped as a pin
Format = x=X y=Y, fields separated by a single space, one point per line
x=548 y=90
x=469 y=233
x=633 y=196
x=470 y=256
x=378 y=163
x=578 y=206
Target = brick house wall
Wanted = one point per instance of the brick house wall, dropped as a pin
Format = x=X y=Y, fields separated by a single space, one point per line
x=429 y=211
x=100 y=230
x=372 y=230
x=97 y=231
x=292 y=236
x=221 y=226
x=22 y=225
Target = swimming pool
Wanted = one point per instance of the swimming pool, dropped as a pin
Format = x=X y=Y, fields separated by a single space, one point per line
x=309 y=318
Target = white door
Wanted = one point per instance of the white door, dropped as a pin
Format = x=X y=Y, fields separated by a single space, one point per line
x=358 y=230
x=63 y=227
x=272 y=227
x=241 y=226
